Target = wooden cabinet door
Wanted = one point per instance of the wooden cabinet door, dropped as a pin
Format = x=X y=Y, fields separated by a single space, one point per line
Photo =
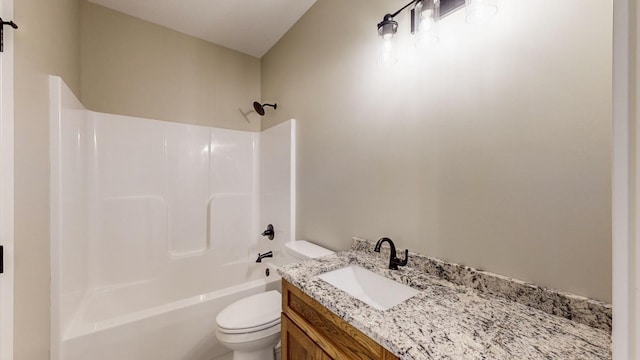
x=296 y=345
x=337 y=338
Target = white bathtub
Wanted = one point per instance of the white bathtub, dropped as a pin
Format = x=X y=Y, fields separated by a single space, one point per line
x=163 y=320
x=147 y=218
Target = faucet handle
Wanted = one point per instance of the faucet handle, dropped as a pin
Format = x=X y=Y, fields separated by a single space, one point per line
x=269 y=233
x=399 y=262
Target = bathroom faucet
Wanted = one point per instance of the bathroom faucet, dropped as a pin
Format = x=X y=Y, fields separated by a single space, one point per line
x=394 y=262
x=265 y=255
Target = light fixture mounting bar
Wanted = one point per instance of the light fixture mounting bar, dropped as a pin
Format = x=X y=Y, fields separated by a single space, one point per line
x=449 y=6
x=404 y=7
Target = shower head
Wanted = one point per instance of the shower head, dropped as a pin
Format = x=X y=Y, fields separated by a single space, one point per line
x=260 y=107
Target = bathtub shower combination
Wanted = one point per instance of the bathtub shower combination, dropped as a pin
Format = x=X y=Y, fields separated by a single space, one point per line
x=155 y=227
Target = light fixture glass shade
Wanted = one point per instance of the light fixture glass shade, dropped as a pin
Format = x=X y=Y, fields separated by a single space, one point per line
x=427 y=14
x=479 y=11
x=387 y=27
x=388 y=56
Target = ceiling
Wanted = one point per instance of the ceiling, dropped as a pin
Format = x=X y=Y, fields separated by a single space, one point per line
x=251 y=27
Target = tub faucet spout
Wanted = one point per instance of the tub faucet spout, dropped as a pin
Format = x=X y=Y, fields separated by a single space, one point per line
x=265 y=255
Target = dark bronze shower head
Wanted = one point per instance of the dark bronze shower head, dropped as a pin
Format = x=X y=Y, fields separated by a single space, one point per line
x=260 y=107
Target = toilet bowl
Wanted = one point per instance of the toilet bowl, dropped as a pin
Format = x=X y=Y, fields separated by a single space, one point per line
x=251 y=326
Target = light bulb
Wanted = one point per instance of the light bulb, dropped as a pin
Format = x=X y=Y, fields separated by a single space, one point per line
x=480 y=11
x=428 y=18
x=388 y=55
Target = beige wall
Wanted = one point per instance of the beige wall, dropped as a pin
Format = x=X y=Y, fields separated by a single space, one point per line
x=46 y=43
x=491 y=150
x=132 y=67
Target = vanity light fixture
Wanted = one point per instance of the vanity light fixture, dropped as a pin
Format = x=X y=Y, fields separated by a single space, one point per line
x=425 y=16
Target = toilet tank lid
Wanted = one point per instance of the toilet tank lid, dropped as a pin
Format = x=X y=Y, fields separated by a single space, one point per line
x=305 y=250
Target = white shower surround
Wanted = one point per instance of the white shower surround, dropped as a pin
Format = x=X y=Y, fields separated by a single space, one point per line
x=155 y=228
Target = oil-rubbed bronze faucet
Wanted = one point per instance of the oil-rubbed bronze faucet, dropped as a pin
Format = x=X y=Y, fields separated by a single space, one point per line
x=265 y=255
x=270 y=232
x=394 y=262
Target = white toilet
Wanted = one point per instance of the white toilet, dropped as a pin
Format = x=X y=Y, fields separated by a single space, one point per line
x=251 y=326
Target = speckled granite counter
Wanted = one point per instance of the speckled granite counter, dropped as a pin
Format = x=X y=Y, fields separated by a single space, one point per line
x=450 y=321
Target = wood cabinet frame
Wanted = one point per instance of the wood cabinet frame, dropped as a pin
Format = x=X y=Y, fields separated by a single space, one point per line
x=311 y=329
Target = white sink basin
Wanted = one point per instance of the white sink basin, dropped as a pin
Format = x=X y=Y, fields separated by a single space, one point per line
x=373 y=289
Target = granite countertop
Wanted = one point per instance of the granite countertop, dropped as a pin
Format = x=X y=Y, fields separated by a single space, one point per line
x=451 y=321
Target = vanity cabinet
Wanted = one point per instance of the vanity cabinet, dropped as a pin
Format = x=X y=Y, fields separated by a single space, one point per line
x=297 y=345
x=311 y=331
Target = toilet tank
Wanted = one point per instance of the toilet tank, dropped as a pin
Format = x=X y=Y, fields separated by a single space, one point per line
x=302 y=249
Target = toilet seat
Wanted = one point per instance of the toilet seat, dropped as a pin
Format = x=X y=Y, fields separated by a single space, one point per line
x=251 y=314
x=248 y=337
x=249 y=329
